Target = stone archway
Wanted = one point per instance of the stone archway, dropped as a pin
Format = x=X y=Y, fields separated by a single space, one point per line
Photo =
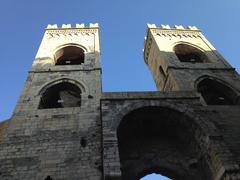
x=194 y=138
x=161 y=140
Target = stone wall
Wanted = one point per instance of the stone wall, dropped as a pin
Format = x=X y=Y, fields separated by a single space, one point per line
x=63 y=143
x=210 y=150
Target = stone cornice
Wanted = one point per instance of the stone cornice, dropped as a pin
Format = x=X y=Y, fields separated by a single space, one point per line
x=176 y=33
x=71 y=32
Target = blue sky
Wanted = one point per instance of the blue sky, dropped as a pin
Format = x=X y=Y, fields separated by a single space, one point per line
x=154 y=176
x=123 y=27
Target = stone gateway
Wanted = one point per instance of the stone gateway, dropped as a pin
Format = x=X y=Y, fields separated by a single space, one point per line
x=65 y=128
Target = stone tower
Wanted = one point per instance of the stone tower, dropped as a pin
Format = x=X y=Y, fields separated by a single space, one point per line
x=187 y=130
x=55 y=128
x=180 y=58
x=65 y=128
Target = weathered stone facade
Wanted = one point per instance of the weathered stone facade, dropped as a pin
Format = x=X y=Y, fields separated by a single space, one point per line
x=64 y=127
x=63 y=143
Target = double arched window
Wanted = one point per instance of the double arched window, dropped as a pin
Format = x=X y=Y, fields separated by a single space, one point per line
x=61 y=95
x=188 y=53
x=69 y=55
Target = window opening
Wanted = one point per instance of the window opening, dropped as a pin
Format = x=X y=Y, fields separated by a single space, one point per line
x=83 y=142
x=70 y=55
x=48 y=178
x=216 y=93
x=61 y=95
x=187 y=53
x=162 y=77
x=162 y=73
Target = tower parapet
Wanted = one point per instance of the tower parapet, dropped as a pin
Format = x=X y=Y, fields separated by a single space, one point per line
x=166 y=31
x=166 y=26
x=66 y=54
x=57 y=37
x=171 y=50
x=65 y=26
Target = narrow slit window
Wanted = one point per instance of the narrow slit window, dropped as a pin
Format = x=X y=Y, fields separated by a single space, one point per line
x=162 y=73
x=162 y=77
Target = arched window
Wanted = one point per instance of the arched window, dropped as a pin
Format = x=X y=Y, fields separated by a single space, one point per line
x=70 y=55
x=187 y=53
x=48 y=178
x=61 y=95
x=216 y=93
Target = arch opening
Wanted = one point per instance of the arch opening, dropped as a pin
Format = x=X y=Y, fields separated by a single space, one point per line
x=216 y=93
x=69 y=55
x=187 y=53
x=48 y=178
x=160 y=140
x=61 y=95
x=154 y=176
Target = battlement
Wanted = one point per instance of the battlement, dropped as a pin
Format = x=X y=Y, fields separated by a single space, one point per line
x=69 y=26
x=177 y=31
x=168 y=27
x=173 y=34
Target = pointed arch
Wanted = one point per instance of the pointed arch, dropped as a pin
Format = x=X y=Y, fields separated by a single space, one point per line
x=70 y=54
x=216 y=92
x=60 y=94
x=160 y=140
x=81 y=84
x=187 y=52
x=186 y=142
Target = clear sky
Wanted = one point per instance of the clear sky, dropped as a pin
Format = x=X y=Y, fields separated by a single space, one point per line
x=123 y=27
x=154 y=176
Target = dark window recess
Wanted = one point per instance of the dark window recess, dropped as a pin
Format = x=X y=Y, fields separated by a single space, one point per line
x=48 y=178
x=187 y=53
x=61 y=95
x=83 y=142
x=162 y=76
x=162 y=73
x=216 y=93
x=70 y=55
x=90 y=97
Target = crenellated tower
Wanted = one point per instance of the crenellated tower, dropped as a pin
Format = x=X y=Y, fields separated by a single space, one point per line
x=182 y=59
x=65 y=128
x=56 y=123
x=67 y=56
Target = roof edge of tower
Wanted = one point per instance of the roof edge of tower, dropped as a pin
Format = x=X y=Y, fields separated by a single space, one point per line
x=175 y=27
x=69 y=26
